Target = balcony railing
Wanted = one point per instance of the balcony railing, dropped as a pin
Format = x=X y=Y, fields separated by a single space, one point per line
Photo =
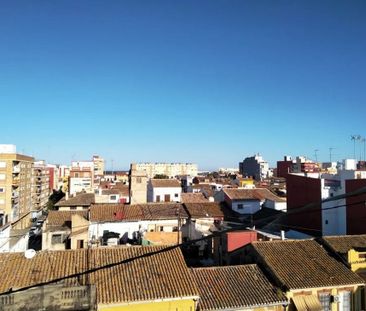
x=16 y=169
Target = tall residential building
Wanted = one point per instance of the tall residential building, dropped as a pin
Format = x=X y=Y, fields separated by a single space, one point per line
x=255 y=167
x=168 y=169
x=41 y=185
x=15 y=184
x=98 y=165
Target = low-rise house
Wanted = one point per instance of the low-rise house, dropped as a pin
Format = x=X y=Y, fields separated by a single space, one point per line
x=242 y=287
x=163 y=190
x=14 y=236
x=79 y=202
x=204 y=219
x=114 y=194
x=250 y=201
x=351 y=249
x=65 y=230
x=129 y=223
x=311 y=278
x=120 y=278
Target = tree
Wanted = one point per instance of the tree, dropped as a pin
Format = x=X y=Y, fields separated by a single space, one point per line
x=161 y=176
x=56 y=196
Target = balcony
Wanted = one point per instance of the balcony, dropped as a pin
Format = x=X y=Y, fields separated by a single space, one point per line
x=15 y=194
x=16 y=182
x=16 y=169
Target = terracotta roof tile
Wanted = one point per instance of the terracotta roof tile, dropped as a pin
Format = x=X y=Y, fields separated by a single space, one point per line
x=193 y=198
x=252 y=194
x=234 y=287
x=342 y=244
x=81 y=199
x=161 y=276
x=148 y=211
x=206 y=210
x=304 y=264
x=59 y=218
x=165 y=183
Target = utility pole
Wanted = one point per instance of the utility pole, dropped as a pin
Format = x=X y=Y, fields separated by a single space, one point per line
x=330 y=154
x=364 y=149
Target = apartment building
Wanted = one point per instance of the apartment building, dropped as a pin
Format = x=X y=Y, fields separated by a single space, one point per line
x=255 y=167
x=15 y=184
x=81 y=180
x=41 y=185
x=168 y=169
x=98 y=165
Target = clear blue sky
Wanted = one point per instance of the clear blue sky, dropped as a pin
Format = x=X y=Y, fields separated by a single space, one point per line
x=209 y=82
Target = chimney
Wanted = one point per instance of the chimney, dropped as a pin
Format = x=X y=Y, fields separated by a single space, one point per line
x=282 y=235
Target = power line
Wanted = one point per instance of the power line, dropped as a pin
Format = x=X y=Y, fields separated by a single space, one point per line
x=187 y=243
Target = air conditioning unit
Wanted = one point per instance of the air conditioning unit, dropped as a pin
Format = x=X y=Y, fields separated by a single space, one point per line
x=336 y=298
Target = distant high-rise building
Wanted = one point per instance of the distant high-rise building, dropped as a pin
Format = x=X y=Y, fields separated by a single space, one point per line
x=15 y=184
x=254 y=167
x=41 y=185
x=168 y=169
x=98 y=165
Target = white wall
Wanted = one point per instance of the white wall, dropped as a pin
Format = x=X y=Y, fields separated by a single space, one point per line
x=130 y=227
x=152 y=193
x=279 y=206
x=249 y=207
x=80 y=184
x=333 y=219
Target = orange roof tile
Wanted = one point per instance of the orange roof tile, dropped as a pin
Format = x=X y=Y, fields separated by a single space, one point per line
x=148 y=211
x=303 y=264
x=235 y=287
x=161 y=276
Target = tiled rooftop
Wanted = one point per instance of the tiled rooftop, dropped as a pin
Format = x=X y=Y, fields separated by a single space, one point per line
x=234 y=287
x=252 y=194
x=342 y=244
x=148 y=211
x=304 y=264
x=206 y=210
x=59 y=218
x=193 y=198
x=165 y=183
x=161 y=276
x=81 y=199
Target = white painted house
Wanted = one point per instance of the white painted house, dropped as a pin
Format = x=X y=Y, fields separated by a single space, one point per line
x=250 y=201
x=164 y=190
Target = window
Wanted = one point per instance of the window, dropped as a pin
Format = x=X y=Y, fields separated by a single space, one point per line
x=161 y=229
x=158 y=198
x=2 y=201
x=113 y=197
x=138 y=180
x=324 y=299
x=56 y=239
x=2 y=164
x=176 y=195
x=2 y=176
x=80 y=244
x=345 y=301
x=240 y=206
x=73 y=208
x=2 y=189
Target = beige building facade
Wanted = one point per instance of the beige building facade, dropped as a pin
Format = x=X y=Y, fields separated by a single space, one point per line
x=168 y=169
x=16 y=172
x=41 y=185
x=98 y=165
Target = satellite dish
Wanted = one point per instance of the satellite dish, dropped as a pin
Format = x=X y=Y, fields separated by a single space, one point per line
x=30 y=253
